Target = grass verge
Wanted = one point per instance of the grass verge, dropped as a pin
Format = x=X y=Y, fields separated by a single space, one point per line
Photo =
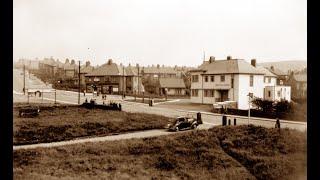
x=240 y=152
x=58 y=123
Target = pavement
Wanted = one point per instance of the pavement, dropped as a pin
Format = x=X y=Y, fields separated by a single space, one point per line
x=68 y=97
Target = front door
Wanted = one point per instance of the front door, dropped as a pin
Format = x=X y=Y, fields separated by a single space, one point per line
x=110 y=89
x=224 y=95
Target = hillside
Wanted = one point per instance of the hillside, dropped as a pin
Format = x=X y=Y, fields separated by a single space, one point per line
x=286 y=65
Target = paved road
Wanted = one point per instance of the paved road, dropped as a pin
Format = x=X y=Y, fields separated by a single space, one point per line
x=209 y=119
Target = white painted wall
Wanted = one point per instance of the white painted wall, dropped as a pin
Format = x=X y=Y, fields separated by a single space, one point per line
x=245 y=89
x=285 y=93
x=273 y=81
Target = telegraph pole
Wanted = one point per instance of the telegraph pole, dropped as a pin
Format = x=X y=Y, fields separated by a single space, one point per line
x=138 y=81
x=123 y=82
x=24 y=79
x=79 y=84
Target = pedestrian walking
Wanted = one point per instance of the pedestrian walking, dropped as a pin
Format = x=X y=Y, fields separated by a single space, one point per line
x=277 y=125
x=84 y=92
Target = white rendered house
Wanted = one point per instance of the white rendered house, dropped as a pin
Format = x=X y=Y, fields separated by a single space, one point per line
x=228 y=80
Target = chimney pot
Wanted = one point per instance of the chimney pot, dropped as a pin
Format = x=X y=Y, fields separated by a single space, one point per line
x=212 y=59
x=272 y=68
x=253 y=62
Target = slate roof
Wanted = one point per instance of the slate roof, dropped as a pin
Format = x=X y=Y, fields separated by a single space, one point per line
x=133 y=71
x=233 y=66
x=172 y=83
x=86 y=69
x=277 y=71
x=159 y=70
x=267 y=72
x=108 y=69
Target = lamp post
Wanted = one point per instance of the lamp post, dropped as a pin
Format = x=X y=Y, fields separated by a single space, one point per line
x=250 y=95
x=79 y=84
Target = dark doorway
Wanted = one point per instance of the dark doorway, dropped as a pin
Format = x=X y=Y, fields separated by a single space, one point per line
x=224 y=95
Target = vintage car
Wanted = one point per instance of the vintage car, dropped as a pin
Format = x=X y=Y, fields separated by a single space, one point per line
x=184 y=122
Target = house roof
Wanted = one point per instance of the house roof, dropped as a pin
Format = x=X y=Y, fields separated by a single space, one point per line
x=301 y=77
x=49 y=61
x=132 y=71
x=277 y=71
x=233 y=66
x=172 y=83
x=108 y=69
x=266 y=71
x=159 y=70
x=68 y=66
x=59 y=64
x=86 y=69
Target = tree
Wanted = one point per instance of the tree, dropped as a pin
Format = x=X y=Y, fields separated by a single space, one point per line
x=263 y=105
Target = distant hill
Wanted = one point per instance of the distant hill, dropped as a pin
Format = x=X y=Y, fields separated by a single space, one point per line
x=286 y=65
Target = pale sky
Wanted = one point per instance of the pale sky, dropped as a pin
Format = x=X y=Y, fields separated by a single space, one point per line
x=160 y=31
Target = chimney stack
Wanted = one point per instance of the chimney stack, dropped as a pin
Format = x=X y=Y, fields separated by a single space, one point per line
x=272 y=68
x=87 y=63
x=109 y=61
x=253 y=62
x=158 y=66
x=229 y=57
x=212 y=59
x=72 y=61
x=137 y=65
x=67 y=61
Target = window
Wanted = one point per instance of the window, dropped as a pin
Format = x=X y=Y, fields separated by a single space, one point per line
x=212 y=78
x=222 y=78
x=232 y=81
x=269 y=79
x=269 y=93
x=178 y=91
x=251 y=81
x=195 y=78
x=279 y=93
x=208 y=93
x=194 y=92
x=206 y=78
x=265 y=79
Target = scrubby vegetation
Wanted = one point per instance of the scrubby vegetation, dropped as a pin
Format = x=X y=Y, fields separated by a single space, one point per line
x=239 y=152
x=58 y=123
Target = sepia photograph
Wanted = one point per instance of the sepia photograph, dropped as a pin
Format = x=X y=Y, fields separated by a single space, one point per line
x=159 y=89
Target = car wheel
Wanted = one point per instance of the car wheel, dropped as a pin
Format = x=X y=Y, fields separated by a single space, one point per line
x=194 y=126
x=177 y=128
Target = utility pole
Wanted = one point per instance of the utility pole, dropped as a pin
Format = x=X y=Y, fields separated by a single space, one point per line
x=55 y=96
x=24 y=79
x=79 y=84
x=138 y=81
x=123 y=82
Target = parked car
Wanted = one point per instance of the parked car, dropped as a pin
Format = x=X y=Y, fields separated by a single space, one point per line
x=184 y=122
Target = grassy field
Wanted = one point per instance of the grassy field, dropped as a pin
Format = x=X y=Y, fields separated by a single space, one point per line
x=69 y=122
x=239 y=152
